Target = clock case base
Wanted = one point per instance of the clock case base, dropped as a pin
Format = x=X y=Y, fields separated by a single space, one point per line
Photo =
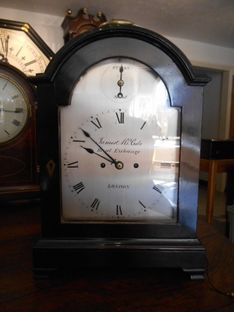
x=51 y=255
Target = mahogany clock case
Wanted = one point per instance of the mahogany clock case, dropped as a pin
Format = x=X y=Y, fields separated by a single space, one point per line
x=140 y=244
x=18 y=155
x=23 y=53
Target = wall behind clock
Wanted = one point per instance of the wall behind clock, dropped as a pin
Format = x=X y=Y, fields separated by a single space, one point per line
x=49 y=28
x=199 y=53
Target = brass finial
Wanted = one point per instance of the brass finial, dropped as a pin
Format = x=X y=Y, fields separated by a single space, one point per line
x=69 y=12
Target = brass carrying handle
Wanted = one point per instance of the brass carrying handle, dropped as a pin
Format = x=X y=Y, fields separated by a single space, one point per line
x=116 y=22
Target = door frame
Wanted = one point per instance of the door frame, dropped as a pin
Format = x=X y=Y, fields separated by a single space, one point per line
x=226 y=108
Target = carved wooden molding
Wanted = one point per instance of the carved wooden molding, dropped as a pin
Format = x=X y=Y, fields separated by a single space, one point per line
x=74 y=26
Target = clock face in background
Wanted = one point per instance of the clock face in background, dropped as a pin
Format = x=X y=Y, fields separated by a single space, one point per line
x=14 y=108
x=120 y=143
x=19 y=50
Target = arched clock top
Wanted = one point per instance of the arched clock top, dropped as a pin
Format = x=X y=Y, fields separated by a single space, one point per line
x=128 y=41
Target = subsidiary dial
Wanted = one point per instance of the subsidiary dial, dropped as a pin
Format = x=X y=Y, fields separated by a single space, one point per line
x=120 y=81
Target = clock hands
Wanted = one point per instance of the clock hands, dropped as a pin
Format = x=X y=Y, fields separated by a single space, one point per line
x=88 y=136
x=120 y=83
x=118 y=164
x=91 y=151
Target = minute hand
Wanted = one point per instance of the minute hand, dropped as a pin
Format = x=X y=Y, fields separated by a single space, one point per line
x=17 y=110
x=88 y=136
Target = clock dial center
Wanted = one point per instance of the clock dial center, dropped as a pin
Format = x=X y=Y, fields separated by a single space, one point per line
x=119 y=165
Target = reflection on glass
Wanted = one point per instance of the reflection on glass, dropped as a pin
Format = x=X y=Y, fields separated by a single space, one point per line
x=166 y=166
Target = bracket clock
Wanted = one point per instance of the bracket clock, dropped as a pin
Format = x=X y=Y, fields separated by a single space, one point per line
x=22 y=53
x=119 y=131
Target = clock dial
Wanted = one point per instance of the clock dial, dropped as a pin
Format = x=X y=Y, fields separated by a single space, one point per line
x=14 y=108
x=120 y=146
x=18 y=49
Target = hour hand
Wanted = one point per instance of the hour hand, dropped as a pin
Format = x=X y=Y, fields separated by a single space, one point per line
x=16 y=110
x=118 y=164
x=91 y=151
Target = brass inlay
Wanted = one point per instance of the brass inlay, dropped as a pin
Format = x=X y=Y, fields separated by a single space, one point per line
x=50 y=166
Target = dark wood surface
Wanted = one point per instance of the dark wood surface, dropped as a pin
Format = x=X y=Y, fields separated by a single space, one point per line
x=217 y=149
x=217 y=156
x=213 y=167
x=105 y=290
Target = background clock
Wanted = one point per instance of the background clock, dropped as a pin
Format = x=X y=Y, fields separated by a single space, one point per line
x=23 y=48
x=15 y=109
x=17 y=133
x=119 y=132
x=22 y=53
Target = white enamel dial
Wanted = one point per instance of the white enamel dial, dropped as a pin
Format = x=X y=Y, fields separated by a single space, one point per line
x=119 y=146
x=19 y=50
x=14 y=109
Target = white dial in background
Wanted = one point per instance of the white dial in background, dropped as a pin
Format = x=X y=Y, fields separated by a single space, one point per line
x=14 y=109
x=20 y=51
x=119 y=146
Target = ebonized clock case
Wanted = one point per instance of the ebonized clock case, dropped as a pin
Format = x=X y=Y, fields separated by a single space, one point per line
x=119 y=244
